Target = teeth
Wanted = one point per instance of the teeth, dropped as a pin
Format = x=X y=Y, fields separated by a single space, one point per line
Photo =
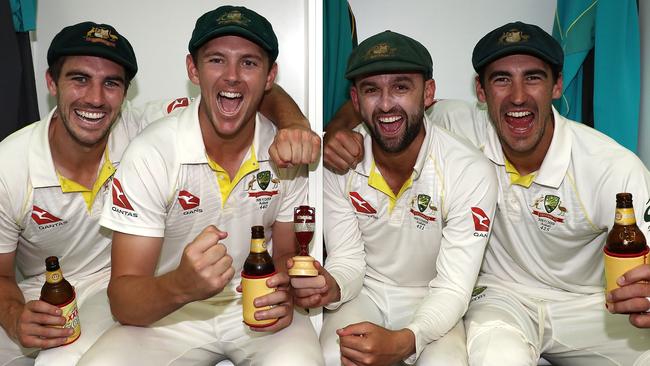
x=230 y=94
x=90 y=115
x=518 y=114
x=388 y=119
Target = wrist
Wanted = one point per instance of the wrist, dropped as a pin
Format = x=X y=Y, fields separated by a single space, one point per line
x=406 y=342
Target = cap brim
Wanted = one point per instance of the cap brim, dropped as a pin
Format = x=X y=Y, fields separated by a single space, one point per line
x=515 y=50
x=89 y=51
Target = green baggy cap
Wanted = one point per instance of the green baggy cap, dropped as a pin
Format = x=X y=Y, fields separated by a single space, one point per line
x=93 y=39
x=235 y=21
x=389 y=52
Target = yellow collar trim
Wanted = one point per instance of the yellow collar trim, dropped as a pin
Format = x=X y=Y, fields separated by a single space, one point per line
x=105 y=173
x=226 y=185
x=377 y=181
x=515 y=178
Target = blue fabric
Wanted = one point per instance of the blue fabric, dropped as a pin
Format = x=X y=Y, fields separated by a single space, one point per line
x=24 y=14
x=337 y=44
x=612 y=27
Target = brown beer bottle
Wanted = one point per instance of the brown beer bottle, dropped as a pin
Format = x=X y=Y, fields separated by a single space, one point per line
x=258 y=267
x=626 y=246
x=57 y=291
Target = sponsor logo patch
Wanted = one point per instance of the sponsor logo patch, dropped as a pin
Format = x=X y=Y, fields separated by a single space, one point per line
x=477 y=293
x=178 y=103
x=552 y=214
x=481 y=220
x=121 y=204
x=360 y=205
x=44 y=219
x=263 y=180
x=189 y=202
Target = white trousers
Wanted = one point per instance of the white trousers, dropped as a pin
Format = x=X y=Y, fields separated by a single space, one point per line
x=94 y=314
x=505 y=328
x=204 y=333
x=392 y=308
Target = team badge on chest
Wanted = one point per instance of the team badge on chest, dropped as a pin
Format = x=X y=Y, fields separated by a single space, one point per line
x=548 y=211
x=423 y=211
x=262 y=187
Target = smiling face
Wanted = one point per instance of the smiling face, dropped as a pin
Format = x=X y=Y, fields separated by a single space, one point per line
x=518 y=90
x=89 y=94
x=233 y=74
x=392 y=107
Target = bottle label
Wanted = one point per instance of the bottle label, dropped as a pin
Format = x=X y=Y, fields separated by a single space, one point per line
x=54 y=276
x=71 y=314
x=252 y=288
x=616 y=266
x=258 y=245
x=624 y=216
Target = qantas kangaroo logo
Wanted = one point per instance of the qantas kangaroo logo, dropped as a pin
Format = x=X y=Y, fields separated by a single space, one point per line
x=361 y=205
x=481 y=220
x=119 y=198
x=178 y=103
x=187 y=200
x=43 y=217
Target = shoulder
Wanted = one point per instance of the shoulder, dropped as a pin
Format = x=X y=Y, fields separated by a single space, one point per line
x=14 y=151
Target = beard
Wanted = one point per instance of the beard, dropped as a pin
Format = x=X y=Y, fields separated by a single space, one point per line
x=413 y=126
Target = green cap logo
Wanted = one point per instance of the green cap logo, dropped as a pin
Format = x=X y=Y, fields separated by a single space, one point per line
x=514 y=36
x=233 y=17
x=101 y=35
x=551 y=202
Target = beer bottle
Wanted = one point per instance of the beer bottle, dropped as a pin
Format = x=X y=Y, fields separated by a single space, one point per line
x=258 y=267
x=626 y=246
x=57 y=291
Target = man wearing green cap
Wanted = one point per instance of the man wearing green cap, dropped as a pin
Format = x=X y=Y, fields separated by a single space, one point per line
x=54 y=175
x=540 y=290
x=183 y=202
x=406 y=229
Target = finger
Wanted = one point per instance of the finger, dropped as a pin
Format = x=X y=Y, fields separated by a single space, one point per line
x=634 y=305
x=640 y=273
x=276 y=312
x=354 y=329
x=312 y=301
x=317 y=282
x=222 y=266
x=273 y=298
x=280 y=324
x=353 y=353
x=42 y=319
x=315 y=148
x=207 y=238
x=275 y=156
x=280 y=279
x=629 y=292
x=211 y=256
x=43 y=343
x=640 y=320
x=38 y=306
x=48 y=332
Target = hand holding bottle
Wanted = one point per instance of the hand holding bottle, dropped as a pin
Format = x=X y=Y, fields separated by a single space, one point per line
x=633 y=296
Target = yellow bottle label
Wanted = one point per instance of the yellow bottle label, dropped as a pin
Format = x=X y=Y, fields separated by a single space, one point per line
x=54 y=276
x=624 y=216
x=253 y=288
x=71 y=314
x=258 y=245
x=615 y=267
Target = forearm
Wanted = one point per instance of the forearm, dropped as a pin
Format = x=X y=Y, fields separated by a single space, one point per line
x=280 y=108
x=12 y=303
x=138 y=300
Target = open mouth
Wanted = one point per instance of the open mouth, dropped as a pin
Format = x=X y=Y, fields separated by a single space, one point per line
x=91 y=117
x=229 y=103
x=520 y=121
x=390 y=124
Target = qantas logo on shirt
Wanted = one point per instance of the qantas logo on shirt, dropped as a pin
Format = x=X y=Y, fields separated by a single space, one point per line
x=119 y=199
x=44 y=219
x=361 y=205
x=481 y=222
x=189 y=202
x=178 y=103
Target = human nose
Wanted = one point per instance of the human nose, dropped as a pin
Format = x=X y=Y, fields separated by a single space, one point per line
x=231 y=74
x=385 y=101
x=518 y=93
x=95 y=94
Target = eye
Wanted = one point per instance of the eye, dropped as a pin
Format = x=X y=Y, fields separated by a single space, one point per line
x=534 y=78
x=112 y=84
x=215 y=60
x=501 y=80
x=79 y=79
x=369 y=90
x=402 y=87
x=249 y=63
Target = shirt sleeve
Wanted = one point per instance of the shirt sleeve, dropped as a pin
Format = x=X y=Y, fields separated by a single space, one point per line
x=9 y=228
x=468 y=209
x=343 y=241
x=140 y=191
x=139 y=117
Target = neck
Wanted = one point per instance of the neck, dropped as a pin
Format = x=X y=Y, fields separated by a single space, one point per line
x=397 y=167
x=530 y=161
x=227 y=151
x=72 y=159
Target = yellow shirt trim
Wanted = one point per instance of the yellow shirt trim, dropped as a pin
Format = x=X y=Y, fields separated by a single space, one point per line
x=515 y=178
x=105 y=173
x=226 y=185
x=377 y=181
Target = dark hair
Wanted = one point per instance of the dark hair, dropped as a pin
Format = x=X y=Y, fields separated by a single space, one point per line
x=195 y=54
x=55 y=72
